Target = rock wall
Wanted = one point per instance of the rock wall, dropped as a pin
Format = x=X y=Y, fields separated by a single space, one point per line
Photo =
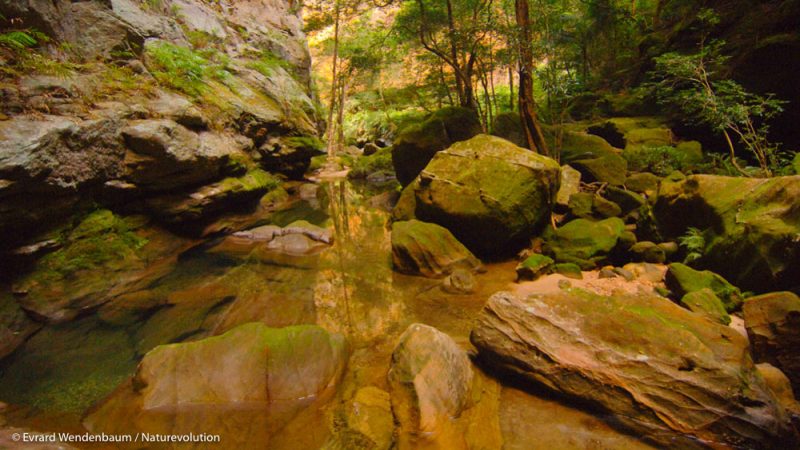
x=130 y=104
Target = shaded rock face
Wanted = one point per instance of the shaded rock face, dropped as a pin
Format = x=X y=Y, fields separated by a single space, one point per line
x=663 y=371
x=438 y=399
x=773 y=325
x=417 y=144
x=429 y=250
x=488 y=192
x=751 y=226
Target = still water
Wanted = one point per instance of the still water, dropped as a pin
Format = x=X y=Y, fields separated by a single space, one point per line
x=53 y=380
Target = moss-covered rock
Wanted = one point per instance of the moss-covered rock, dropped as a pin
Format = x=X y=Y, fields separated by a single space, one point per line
x=491 y=194
x=290 y=156
x=627 y=200
x=428 y=249
x=706 y=302
x=648 y=251
x=643 y=183
x=508 y=126
x=569 y=270
x=533 y=267
x=379 y=161
x=417 y=144
x=584 y=242
x=751 y=226
x=595 y=158
x=570 y=185
x=682 y=279
x=663 y=371
x=77 y=276
x=213 y=199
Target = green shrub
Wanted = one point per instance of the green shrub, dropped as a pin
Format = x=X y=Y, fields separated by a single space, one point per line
x=184 y=69
x=17 y=47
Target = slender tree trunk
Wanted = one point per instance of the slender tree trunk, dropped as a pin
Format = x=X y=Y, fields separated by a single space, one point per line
x=527 y=105
x=510 y=88
x=332 y=144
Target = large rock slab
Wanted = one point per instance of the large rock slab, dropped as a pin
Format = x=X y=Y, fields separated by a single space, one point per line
x=428 y=249
x=491 y=194
x=417 y=144
x=773 y=324
x=751 y=226
x=164 y=155
x=665 y=372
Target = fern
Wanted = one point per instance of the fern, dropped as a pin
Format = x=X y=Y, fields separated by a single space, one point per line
x=694 y=243
x=185 y=70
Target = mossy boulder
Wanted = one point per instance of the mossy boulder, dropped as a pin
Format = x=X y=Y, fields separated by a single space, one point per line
x=291 y=155
x=643 y=183
x=751 y=226
x=627 y=200
x=427 y=249
x=616 y=130
x=491 y=194
x=379 y=161
x=595 y=158
x=417 y=144
x=584 y=242
x=660 y=369
x=210 y=200
x=508 y=127
x=533 y=267
x=773 y=325
x=569 y=270
x=648 y=251
x=76 y=277
x=682 y=279
x=706 y=302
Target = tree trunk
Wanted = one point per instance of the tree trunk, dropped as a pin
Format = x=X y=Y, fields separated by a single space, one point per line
x=332 y=144
x=527 y=105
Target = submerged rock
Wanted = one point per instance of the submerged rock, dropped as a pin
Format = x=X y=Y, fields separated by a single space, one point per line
x=773 y=324
x=666 y=373
x=428 y=249
x=417 y=144
x=438 y=399
x=751 y=226
x=488 y=192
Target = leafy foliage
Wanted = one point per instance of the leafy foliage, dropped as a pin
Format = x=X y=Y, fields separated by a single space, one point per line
x=693 y=243
x=661 y=160
x=184 y=69
x=693 y=84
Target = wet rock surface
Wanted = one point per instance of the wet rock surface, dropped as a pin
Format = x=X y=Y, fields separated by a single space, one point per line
x=653 y=381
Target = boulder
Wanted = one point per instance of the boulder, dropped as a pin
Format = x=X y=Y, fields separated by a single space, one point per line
x=751 y=226
x=648 y=252
x=664 y=372
x=438 y=399
x=533 y=267
x=491 y=194
x=584 y=242
x=682 y=279
x=251 y=363
x=627 y=200
x=707 y=303
x=570 y=184
x=164 y=155
x=461 y=281
x=213 y=199
x=290 y=156
x=593 y=157
x=773 y=324
x=417 y=144
x=369 y=415
x=643 y=183
x=15 y=326
x=428 y=249
x=99 y=254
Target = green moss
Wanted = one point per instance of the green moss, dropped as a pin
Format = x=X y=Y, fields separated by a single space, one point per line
x=100 y=240
x=682 y=279
x=380 y=161
x=707 y=303
x=583 y=241
x=184 y=69
x=533 y=267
